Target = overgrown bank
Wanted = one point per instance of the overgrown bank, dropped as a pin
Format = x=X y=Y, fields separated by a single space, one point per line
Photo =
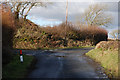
x=32 y=36
x=106 y=53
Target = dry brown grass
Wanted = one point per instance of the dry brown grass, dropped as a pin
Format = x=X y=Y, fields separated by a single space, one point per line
x=60 y=30
x=108 y=45
x=94 y=34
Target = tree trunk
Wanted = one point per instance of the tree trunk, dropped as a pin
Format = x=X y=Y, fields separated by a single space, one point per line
x=17 y=15
x=17 y=11
x=25 y=17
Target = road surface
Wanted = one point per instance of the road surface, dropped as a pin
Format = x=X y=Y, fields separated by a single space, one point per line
x=64 y=63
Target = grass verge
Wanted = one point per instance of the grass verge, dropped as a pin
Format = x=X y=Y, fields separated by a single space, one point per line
x=108 y=59
x=16 y=69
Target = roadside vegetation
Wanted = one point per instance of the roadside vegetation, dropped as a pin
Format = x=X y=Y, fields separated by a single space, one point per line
x=106 y=53
x=30 y=36
x=11 y=66
x=21 y=33
x=16 y=69
x=8 y=29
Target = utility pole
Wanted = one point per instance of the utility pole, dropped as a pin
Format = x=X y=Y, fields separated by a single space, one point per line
x=65 y=43
x=66 y=11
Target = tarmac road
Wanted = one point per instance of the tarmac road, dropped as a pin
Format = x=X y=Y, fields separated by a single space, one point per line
x=64 y=63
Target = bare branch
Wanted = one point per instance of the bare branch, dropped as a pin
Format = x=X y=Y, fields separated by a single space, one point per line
x=95 y=15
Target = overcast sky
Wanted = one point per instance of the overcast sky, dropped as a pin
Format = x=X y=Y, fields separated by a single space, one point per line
x=55 y=13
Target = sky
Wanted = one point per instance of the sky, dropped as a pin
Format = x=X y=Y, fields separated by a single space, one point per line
x=55 y=13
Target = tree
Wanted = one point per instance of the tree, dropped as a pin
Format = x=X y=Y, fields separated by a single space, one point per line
x=95 y=15
x=115 y=34
x=23 y=8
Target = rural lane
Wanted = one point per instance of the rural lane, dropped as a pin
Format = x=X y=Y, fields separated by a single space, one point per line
x=64 y=63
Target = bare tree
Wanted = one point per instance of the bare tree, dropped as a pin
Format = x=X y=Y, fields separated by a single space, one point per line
x=23 y=8
x=115 y=34
x=95 y=15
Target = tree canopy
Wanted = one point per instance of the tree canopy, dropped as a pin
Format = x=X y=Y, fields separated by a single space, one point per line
x=95 y=15
x=21 y=9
